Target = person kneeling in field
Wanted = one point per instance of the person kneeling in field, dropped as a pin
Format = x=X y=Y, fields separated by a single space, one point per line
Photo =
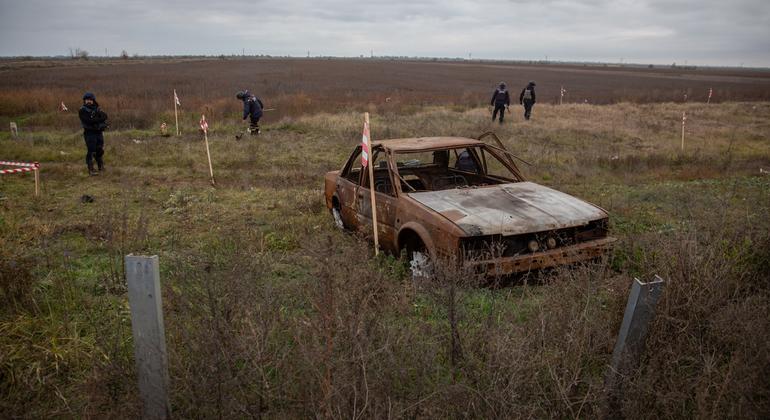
x=252 y=107
x=94 y=122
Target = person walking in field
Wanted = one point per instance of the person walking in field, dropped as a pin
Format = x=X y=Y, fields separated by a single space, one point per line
x=500 y=100
x=252 y=108
x=94 y=122
x=527 y=98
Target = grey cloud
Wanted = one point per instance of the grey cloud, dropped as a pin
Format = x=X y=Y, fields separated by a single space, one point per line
x=703 y=32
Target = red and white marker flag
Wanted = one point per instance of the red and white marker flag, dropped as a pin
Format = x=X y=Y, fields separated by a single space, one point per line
x=709 y=98
x=366 y=149
x=176 y=99
x=204 y=125
x=62 y=107
x=561 y=97
x=365 y=140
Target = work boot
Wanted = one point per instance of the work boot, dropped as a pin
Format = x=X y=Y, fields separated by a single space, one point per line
x=92 y=171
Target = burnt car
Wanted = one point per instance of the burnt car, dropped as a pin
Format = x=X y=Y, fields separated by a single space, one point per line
x=462 y=198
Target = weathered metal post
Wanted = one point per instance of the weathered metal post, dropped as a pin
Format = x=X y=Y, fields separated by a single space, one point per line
x=640 y=311
x=143 y=277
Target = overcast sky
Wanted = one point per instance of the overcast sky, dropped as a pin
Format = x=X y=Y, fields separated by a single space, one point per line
x=700 y=32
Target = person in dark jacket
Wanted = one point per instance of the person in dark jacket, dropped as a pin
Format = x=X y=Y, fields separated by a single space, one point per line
x=500 y=100
x=527 y=98
x=252 y=108
x=94 y=122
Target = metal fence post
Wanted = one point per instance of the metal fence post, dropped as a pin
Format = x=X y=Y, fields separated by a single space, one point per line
x=143 y=277
x=640 y=311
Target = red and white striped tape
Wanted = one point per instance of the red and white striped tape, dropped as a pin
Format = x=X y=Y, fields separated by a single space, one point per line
x=16 y=170
x=25 y=167
x=27 y=164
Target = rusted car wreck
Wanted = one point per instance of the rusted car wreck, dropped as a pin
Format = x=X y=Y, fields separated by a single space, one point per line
x=444 y=197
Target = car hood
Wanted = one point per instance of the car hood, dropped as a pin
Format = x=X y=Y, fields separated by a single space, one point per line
x=509 y=209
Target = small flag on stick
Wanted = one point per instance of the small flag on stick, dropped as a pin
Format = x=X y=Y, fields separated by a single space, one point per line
x=205 y=127
x=62 y=107
x=561 y=97
x=709 y=98
x=365 y=145
x=176 y=115
x=366 y=161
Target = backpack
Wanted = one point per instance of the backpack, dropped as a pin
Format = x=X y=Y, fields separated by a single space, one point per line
x=500 y=95
x=527 y=94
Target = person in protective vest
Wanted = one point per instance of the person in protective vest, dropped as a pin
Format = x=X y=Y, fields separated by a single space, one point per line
x=94 y=122
x=527 y=98
x=252 y=108
x=500 y=100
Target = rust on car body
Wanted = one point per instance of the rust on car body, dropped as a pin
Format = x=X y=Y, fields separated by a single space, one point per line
x=462 y=197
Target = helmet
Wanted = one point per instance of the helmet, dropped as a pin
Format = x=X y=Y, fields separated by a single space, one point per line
x=89 y=95
x=502 y=85
x=532 y=83
x=240 y=95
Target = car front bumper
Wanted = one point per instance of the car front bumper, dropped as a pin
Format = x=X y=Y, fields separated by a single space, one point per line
x=544 y=259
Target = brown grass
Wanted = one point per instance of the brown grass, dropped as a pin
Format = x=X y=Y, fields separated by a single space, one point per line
x=271 y=312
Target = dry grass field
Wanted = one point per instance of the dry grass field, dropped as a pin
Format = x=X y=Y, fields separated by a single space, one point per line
x=270 y=311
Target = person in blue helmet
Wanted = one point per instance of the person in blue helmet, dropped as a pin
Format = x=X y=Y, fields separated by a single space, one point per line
x=252 y=108
x=94 y=122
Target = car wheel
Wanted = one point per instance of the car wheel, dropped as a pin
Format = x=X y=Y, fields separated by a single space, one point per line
x=338 y=218
x=421 y=265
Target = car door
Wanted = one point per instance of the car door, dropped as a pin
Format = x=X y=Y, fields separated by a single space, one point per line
x=346 y=189
x=386 y=202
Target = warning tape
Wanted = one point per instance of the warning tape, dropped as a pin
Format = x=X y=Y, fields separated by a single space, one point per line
x=27 y=164
x=25 y=167
x=16 y=170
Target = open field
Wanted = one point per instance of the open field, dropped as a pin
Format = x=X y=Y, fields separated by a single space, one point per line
x=139 y=92
x=271 y=311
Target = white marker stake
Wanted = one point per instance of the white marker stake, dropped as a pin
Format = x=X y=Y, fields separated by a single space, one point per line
x=37 y=179
x=684 y=118
x=176 y=116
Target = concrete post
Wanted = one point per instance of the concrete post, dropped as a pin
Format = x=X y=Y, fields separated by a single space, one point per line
x=143 y=277
x=640 y=311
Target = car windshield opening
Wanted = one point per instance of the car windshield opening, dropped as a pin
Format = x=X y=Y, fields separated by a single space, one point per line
x=464 y=167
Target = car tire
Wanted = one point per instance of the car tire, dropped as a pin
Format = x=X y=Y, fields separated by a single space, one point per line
x=420 y=263
x=337 y=216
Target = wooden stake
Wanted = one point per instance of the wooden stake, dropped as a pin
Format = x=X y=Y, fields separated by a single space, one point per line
x=208 y=154
x=37 y=180
x=371 y=186
x=176 y=116
x=684 y=118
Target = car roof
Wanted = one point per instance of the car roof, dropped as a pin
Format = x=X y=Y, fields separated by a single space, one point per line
x=416 y=144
